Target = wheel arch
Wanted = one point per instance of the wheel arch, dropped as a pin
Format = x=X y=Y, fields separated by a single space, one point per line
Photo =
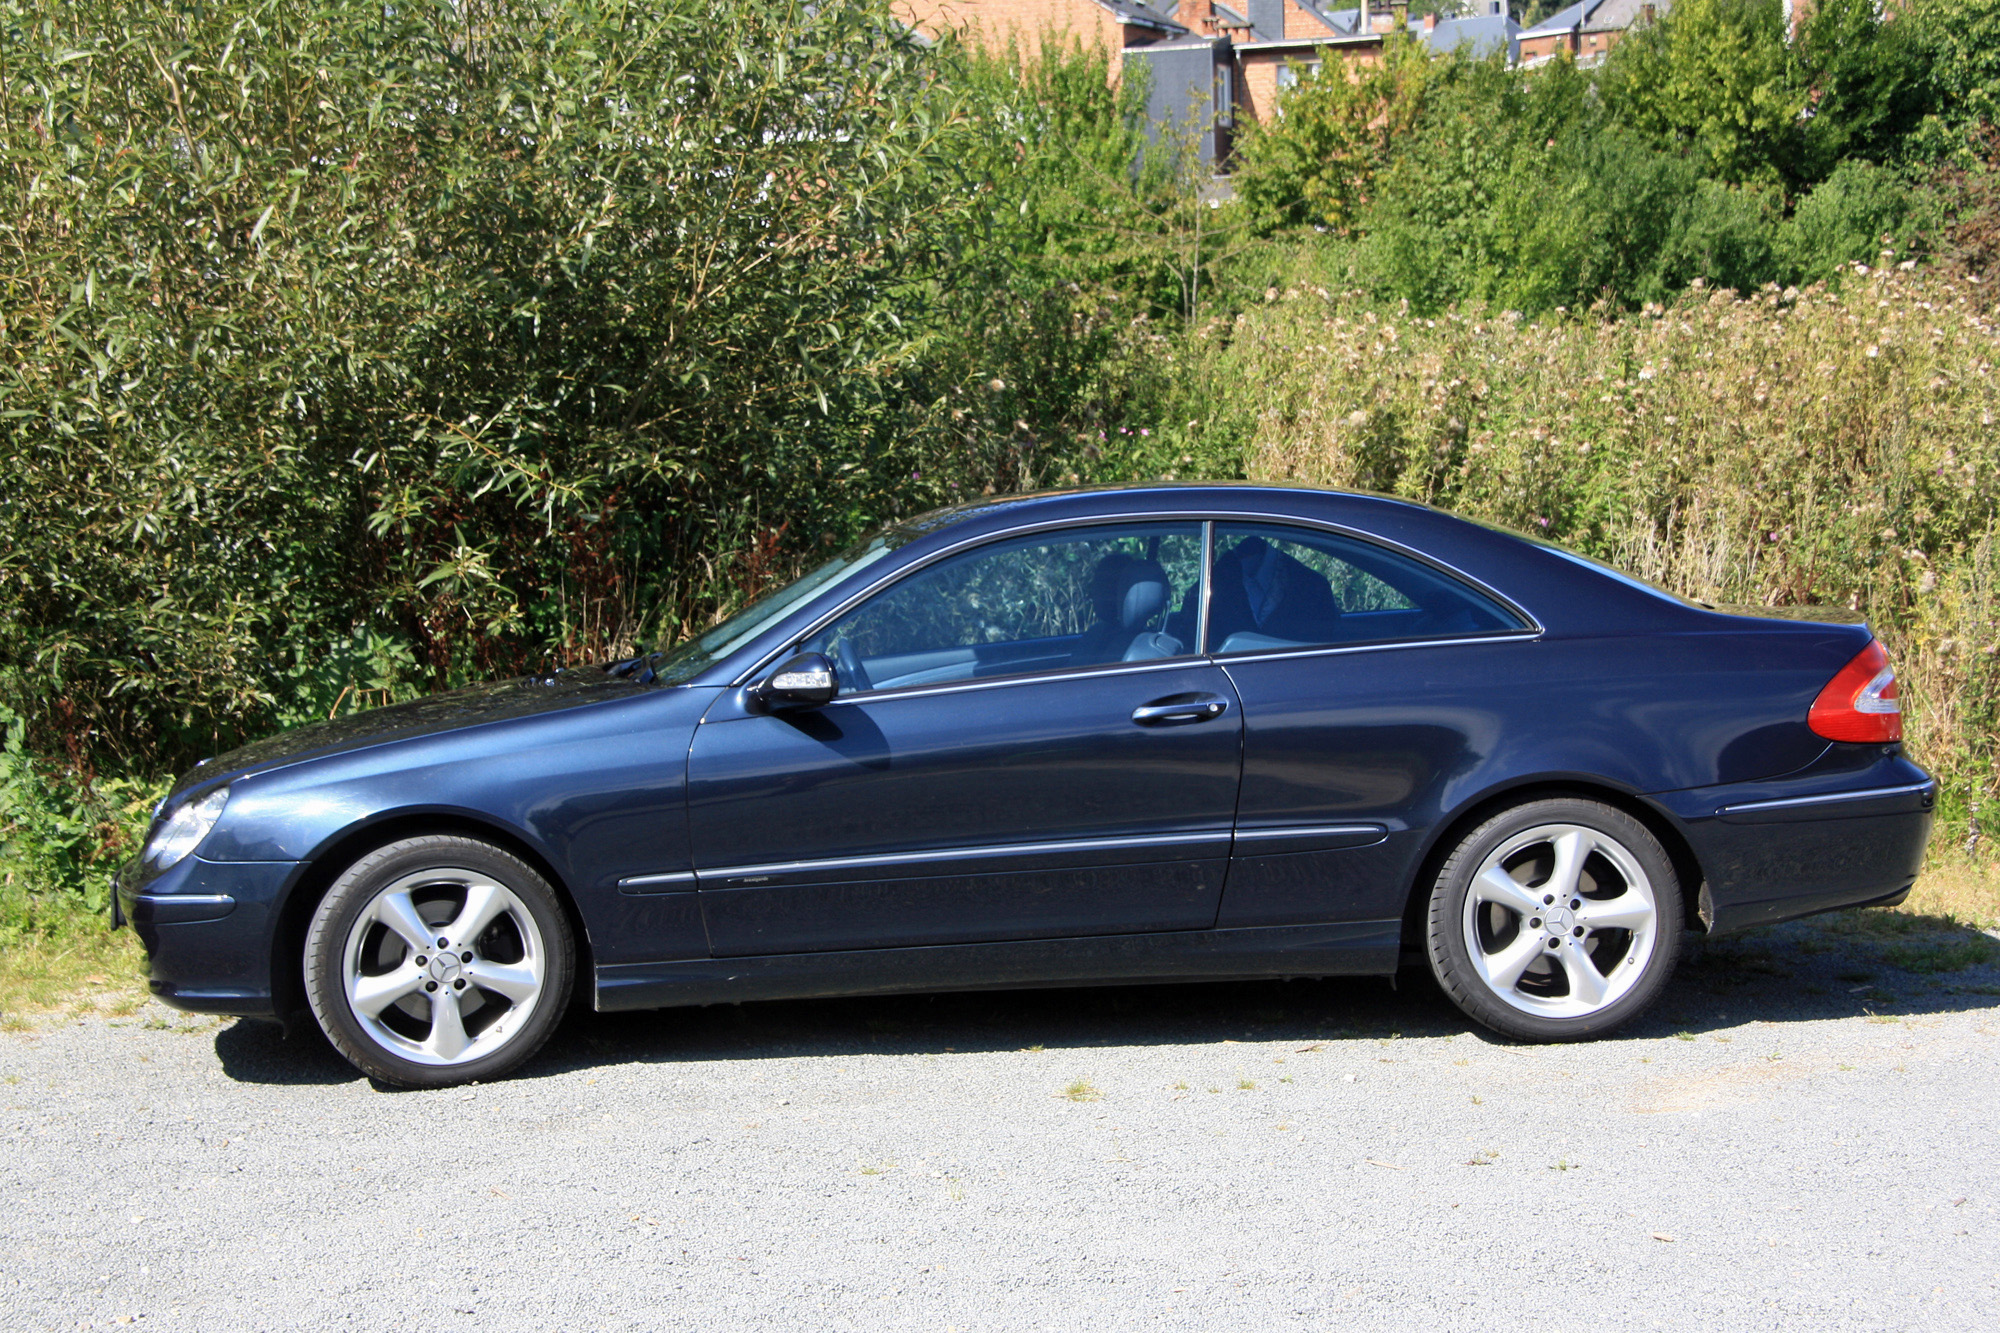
x=318 y=872
x=1450 y=831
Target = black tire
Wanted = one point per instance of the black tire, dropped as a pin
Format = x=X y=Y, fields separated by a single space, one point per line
x=1477 y=934
x=469 y=1012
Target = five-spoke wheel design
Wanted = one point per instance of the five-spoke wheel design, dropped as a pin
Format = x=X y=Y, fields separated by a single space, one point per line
x=438 y=960
x=443 y=966
x=1560 y=921
x=1560 y=918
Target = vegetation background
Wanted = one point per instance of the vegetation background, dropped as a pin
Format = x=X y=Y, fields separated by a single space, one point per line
x=352 y=351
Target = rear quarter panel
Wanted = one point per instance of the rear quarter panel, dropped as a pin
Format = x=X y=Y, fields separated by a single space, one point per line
x=1625 y=688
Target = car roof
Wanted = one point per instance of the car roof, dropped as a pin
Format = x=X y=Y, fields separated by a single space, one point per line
x=1561 y=592
x=1142 y=496
x=1378 y=515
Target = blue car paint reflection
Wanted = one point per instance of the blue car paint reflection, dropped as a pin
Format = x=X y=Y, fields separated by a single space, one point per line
x=988 y=825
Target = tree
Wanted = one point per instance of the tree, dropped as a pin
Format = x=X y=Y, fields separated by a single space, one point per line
x=1315 y=162
x=1715 y=79
x=1961 y=43
x=1868 y=81
x=488 y=328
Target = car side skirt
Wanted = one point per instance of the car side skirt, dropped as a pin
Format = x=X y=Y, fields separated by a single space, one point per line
x=1353 y=948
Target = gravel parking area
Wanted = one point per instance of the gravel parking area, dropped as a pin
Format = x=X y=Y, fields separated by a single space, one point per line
x=1802 y=1135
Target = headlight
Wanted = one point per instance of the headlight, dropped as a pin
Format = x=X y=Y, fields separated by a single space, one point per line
x=184 y=829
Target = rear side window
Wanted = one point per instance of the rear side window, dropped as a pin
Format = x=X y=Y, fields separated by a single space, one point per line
x=1277 y=587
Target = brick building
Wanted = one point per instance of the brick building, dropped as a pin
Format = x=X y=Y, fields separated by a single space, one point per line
x=1586 y=31
x=1212 y=65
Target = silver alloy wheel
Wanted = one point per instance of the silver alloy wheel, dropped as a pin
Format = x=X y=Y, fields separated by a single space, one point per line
x=443 y=967
x=1560 y=921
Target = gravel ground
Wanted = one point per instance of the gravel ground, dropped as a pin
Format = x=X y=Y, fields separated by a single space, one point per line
x=1802 y=1135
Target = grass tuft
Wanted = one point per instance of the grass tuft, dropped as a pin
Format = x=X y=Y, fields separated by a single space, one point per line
x=73 y=963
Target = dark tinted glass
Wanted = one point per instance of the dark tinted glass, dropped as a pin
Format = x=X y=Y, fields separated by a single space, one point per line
x=1283 y=587
x=1077 y=597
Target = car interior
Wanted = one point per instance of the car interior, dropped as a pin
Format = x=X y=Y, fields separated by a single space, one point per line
x=1055 y=604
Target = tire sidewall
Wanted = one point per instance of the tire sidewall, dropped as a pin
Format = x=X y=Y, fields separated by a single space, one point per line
x=357 y=886
x=1450 y=953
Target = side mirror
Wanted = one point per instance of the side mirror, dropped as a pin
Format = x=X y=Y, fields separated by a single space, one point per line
x=806 y=681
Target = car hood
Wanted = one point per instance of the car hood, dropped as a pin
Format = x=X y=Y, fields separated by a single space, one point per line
x=472 y=706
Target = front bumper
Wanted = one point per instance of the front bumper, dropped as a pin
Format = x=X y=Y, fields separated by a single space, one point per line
x=1835 y=835
x=208 y=929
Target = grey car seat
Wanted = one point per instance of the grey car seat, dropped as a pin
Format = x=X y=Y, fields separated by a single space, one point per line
x=1126 y=593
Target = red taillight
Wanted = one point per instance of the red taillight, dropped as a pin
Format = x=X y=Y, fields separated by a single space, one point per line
x=1861 y=703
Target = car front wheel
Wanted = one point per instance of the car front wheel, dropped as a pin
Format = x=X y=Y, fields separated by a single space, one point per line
x=438 y=960
x=1556 y=920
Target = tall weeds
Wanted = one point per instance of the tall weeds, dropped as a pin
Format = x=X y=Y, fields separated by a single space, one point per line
x=1782 y=448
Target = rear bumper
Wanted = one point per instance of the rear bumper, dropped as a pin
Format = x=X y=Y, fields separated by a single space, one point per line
x=207 y=927
x=1814 y=842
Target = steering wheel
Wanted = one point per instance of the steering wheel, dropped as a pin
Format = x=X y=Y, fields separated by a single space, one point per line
x=853 y=676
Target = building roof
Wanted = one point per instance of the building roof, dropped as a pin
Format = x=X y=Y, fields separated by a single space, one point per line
x=1143 y=16
x=1340 y=20
x=1480 y=35
x=1483 y=33
x=1350 y=25
x=1596 y=16
x=1564 y=20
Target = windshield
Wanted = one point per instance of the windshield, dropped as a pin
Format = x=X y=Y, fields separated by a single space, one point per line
x=688 y=659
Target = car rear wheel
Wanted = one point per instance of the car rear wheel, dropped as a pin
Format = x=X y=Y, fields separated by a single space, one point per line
x=438 y=960
x=1556 y=920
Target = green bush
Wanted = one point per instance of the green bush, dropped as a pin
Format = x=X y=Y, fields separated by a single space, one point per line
x=1723 y=235
x=1522 y=194
x=1316 y=164
x=59 y=838
x=351 y=350
x=1852 y=217
x=1961 y=49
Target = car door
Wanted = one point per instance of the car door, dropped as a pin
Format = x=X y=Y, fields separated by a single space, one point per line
x=1018 y=751
x=1369 y=682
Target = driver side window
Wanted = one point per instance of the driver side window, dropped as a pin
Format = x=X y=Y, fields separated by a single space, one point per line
x=1051 y=601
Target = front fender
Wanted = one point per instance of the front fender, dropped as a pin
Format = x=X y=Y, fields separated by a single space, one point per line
x=598 y=794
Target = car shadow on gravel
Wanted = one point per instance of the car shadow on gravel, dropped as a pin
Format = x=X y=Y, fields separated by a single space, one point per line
x=1852 y=965
x=256 y=1050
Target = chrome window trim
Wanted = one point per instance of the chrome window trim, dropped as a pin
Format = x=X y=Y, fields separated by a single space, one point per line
x=634 y=883
x=1208 y=517
x=1379 y=646
x=997 y=850
x=1186 y=663
x=1507 y=603
x=1207 y=585
x=1310 y=831
x=950 y=854
x=1828 y=798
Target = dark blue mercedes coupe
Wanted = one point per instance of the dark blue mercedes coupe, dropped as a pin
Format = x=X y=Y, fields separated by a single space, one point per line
x=1119 y=735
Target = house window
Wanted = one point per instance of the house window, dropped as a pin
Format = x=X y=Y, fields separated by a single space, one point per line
x=1293 y=71
x=1225 y=95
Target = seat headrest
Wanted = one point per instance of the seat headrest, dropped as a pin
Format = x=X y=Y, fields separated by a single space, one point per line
x=1127 y=592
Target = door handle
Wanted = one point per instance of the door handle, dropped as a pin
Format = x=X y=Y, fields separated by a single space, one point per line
x=1180 y=709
